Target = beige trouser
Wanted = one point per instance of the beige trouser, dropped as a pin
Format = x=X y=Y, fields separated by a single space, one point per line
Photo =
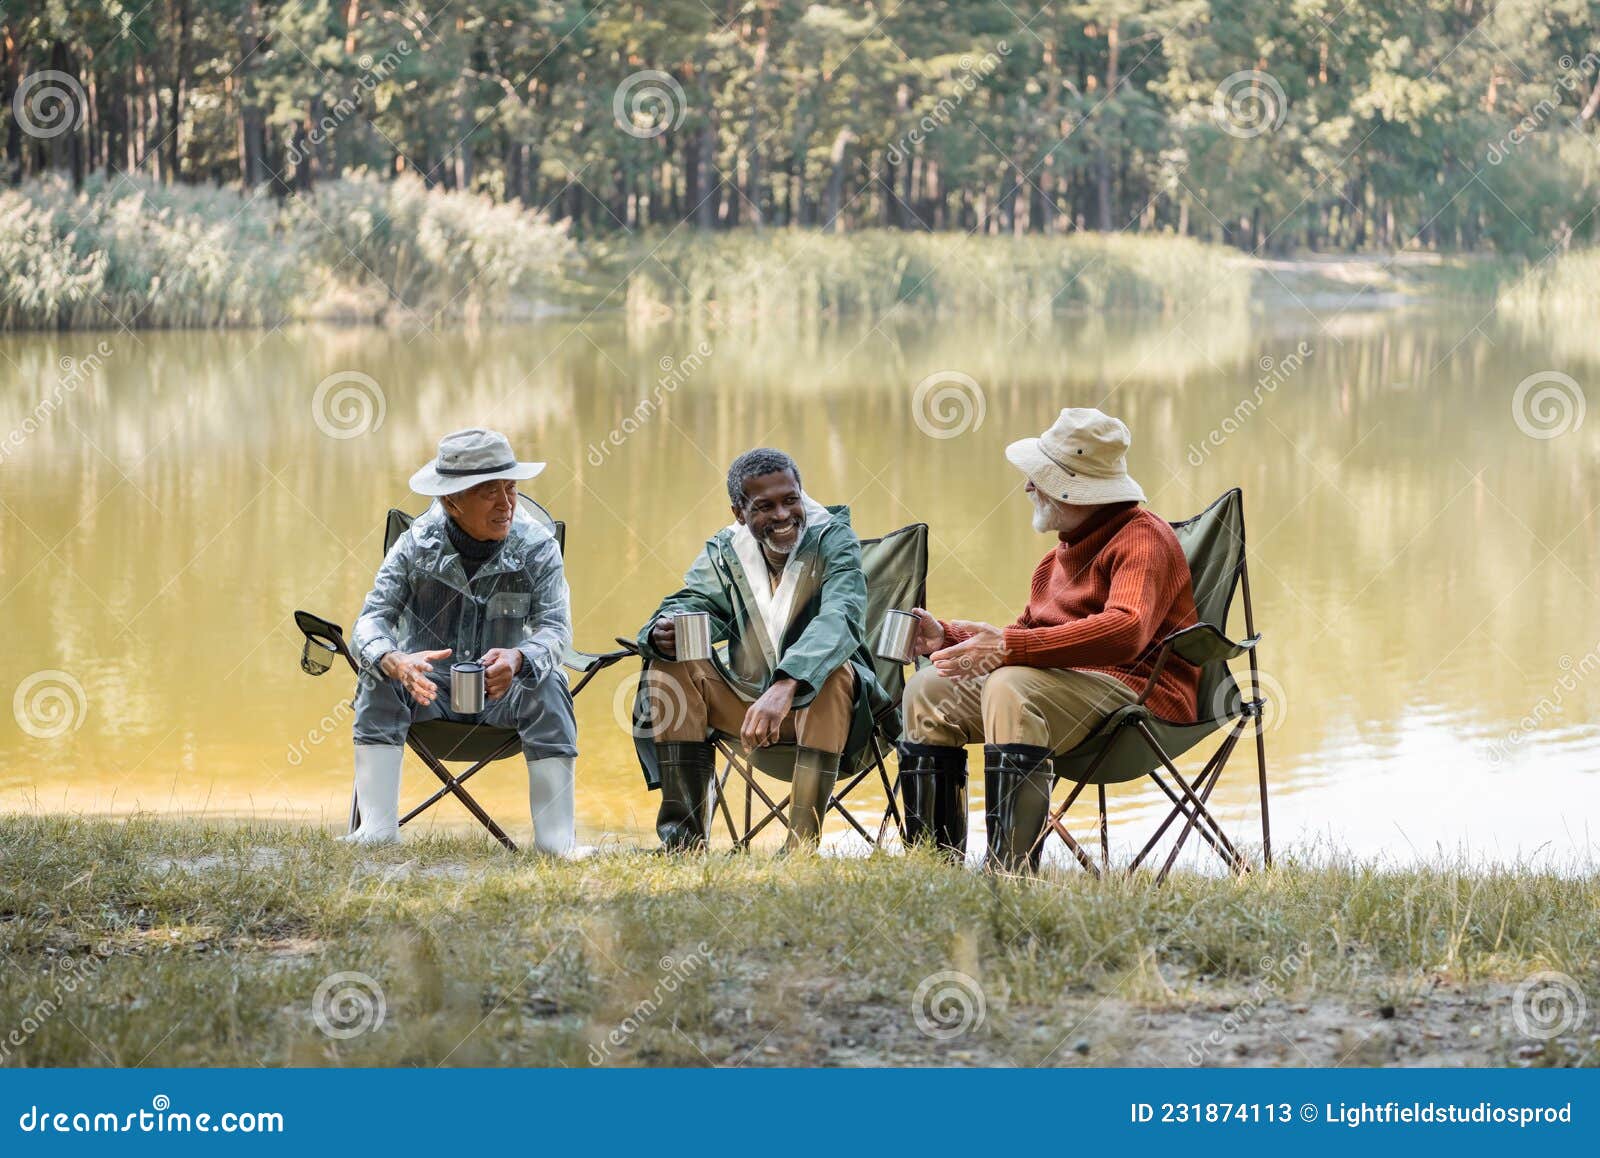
x=691 y=698
x=1051 y=708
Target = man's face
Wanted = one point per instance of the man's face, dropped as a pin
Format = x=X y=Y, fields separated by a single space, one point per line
x=773 y=511
x=1050 y=516
x=486 y=510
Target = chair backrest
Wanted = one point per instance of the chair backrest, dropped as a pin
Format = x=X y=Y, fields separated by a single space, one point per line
x=896 y=566
x=399 y=522
x=1213 y=543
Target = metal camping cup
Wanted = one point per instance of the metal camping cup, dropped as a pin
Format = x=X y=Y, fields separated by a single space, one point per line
x=896 y=637
x=466 y=688
x=691 y=634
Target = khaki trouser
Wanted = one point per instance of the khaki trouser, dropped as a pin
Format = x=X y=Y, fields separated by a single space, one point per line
x=1051 y=708
x=691 y=698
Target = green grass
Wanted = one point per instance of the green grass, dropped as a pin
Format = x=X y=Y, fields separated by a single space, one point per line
x=134 y=253
x=205 y=945
x=788 y=276
x=1557 y=294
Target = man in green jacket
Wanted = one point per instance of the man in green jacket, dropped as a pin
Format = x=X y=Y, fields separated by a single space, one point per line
x=783 y=586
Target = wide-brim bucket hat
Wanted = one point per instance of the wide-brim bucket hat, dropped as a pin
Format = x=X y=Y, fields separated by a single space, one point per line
x=1082 y=460
x=467 y=458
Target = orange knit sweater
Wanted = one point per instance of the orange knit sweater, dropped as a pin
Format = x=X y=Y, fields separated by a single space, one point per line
x=1103 y=601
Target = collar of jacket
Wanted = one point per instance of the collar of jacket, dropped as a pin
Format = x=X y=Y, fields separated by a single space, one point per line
x=746 y=570
x=437 y=555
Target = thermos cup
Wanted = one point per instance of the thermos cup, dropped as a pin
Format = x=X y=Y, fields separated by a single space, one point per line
x=895 y=637
x=466 y=688
x=691 y=632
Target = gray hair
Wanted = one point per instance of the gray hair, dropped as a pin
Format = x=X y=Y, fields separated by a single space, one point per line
x=753 y=464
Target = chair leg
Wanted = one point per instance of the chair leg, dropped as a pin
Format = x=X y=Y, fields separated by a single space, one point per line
x=453 y=785
x=1105 y=834
x=1057 y=823
x=1261 y=766
x=1188 y=792
x=440 y=793
x=1213 y=768
x=1177 y=847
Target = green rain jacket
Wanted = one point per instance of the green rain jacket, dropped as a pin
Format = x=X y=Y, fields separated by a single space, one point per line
x=825 y=592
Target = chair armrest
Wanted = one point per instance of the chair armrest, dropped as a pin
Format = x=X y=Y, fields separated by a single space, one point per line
x=629 y=646
x=1199 y=644
x=586 y=661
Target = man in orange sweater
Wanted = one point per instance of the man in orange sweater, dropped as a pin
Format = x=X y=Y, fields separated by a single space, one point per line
x=1114 y=586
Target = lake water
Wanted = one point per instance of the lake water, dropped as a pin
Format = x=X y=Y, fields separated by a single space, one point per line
x=1423 y=540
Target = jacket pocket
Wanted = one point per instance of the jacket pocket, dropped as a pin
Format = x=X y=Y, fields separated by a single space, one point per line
x=507 y=618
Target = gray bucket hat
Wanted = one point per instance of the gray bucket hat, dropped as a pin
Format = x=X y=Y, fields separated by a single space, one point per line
x=467 y=458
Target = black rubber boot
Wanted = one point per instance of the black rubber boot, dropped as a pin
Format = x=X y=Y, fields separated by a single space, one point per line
x=1017 y=780
x=686 y=771
x=933 y=792
x=811 y=789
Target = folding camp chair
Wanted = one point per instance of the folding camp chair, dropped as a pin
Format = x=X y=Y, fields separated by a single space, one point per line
x=437 y=741
x=896 y=567
x=1133 y=742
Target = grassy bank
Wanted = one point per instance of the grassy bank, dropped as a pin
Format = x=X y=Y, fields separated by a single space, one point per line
x=1555 y=294
x=785 y=275
x=134 y=253
x=161 y=943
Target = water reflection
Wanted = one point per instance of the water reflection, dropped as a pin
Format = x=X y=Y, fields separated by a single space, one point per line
x=1423 y=568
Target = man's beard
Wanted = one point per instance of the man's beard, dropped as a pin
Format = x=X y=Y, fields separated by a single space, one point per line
x=780 y=549
x=1048 y=516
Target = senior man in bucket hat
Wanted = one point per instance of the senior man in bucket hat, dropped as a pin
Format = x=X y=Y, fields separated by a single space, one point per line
x=474 y=578
x=1114 y=585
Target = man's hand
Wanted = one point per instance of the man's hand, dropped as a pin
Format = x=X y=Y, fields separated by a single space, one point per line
x=979 y=654
x=410 y=670
x=765 y=717
x=500 y=666
x=664 y=637
x=929 y=635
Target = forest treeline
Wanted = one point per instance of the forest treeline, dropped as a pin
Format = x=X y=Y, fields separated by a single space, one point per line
x=1268 y=125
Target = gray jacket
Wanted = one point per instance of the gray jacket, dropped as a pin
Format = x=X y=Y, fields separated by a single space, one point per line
x=423 y=601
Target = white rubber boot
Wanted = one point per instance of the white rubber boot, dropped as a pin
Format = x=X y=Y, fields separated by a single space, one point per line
x=377 y=794
x=550 y=800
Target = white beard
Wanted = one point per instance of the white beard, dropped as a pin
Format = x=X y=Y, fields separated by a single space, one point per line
x=1049 y=517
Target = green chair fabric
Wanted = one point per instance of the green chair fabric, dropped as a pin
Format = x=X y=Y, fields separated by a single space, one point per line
x=1213 y=545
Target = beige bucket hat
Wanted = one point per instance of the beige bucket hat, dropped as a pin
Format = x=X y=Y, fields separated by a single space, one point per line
x=1081 y=460
x=467 y=458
